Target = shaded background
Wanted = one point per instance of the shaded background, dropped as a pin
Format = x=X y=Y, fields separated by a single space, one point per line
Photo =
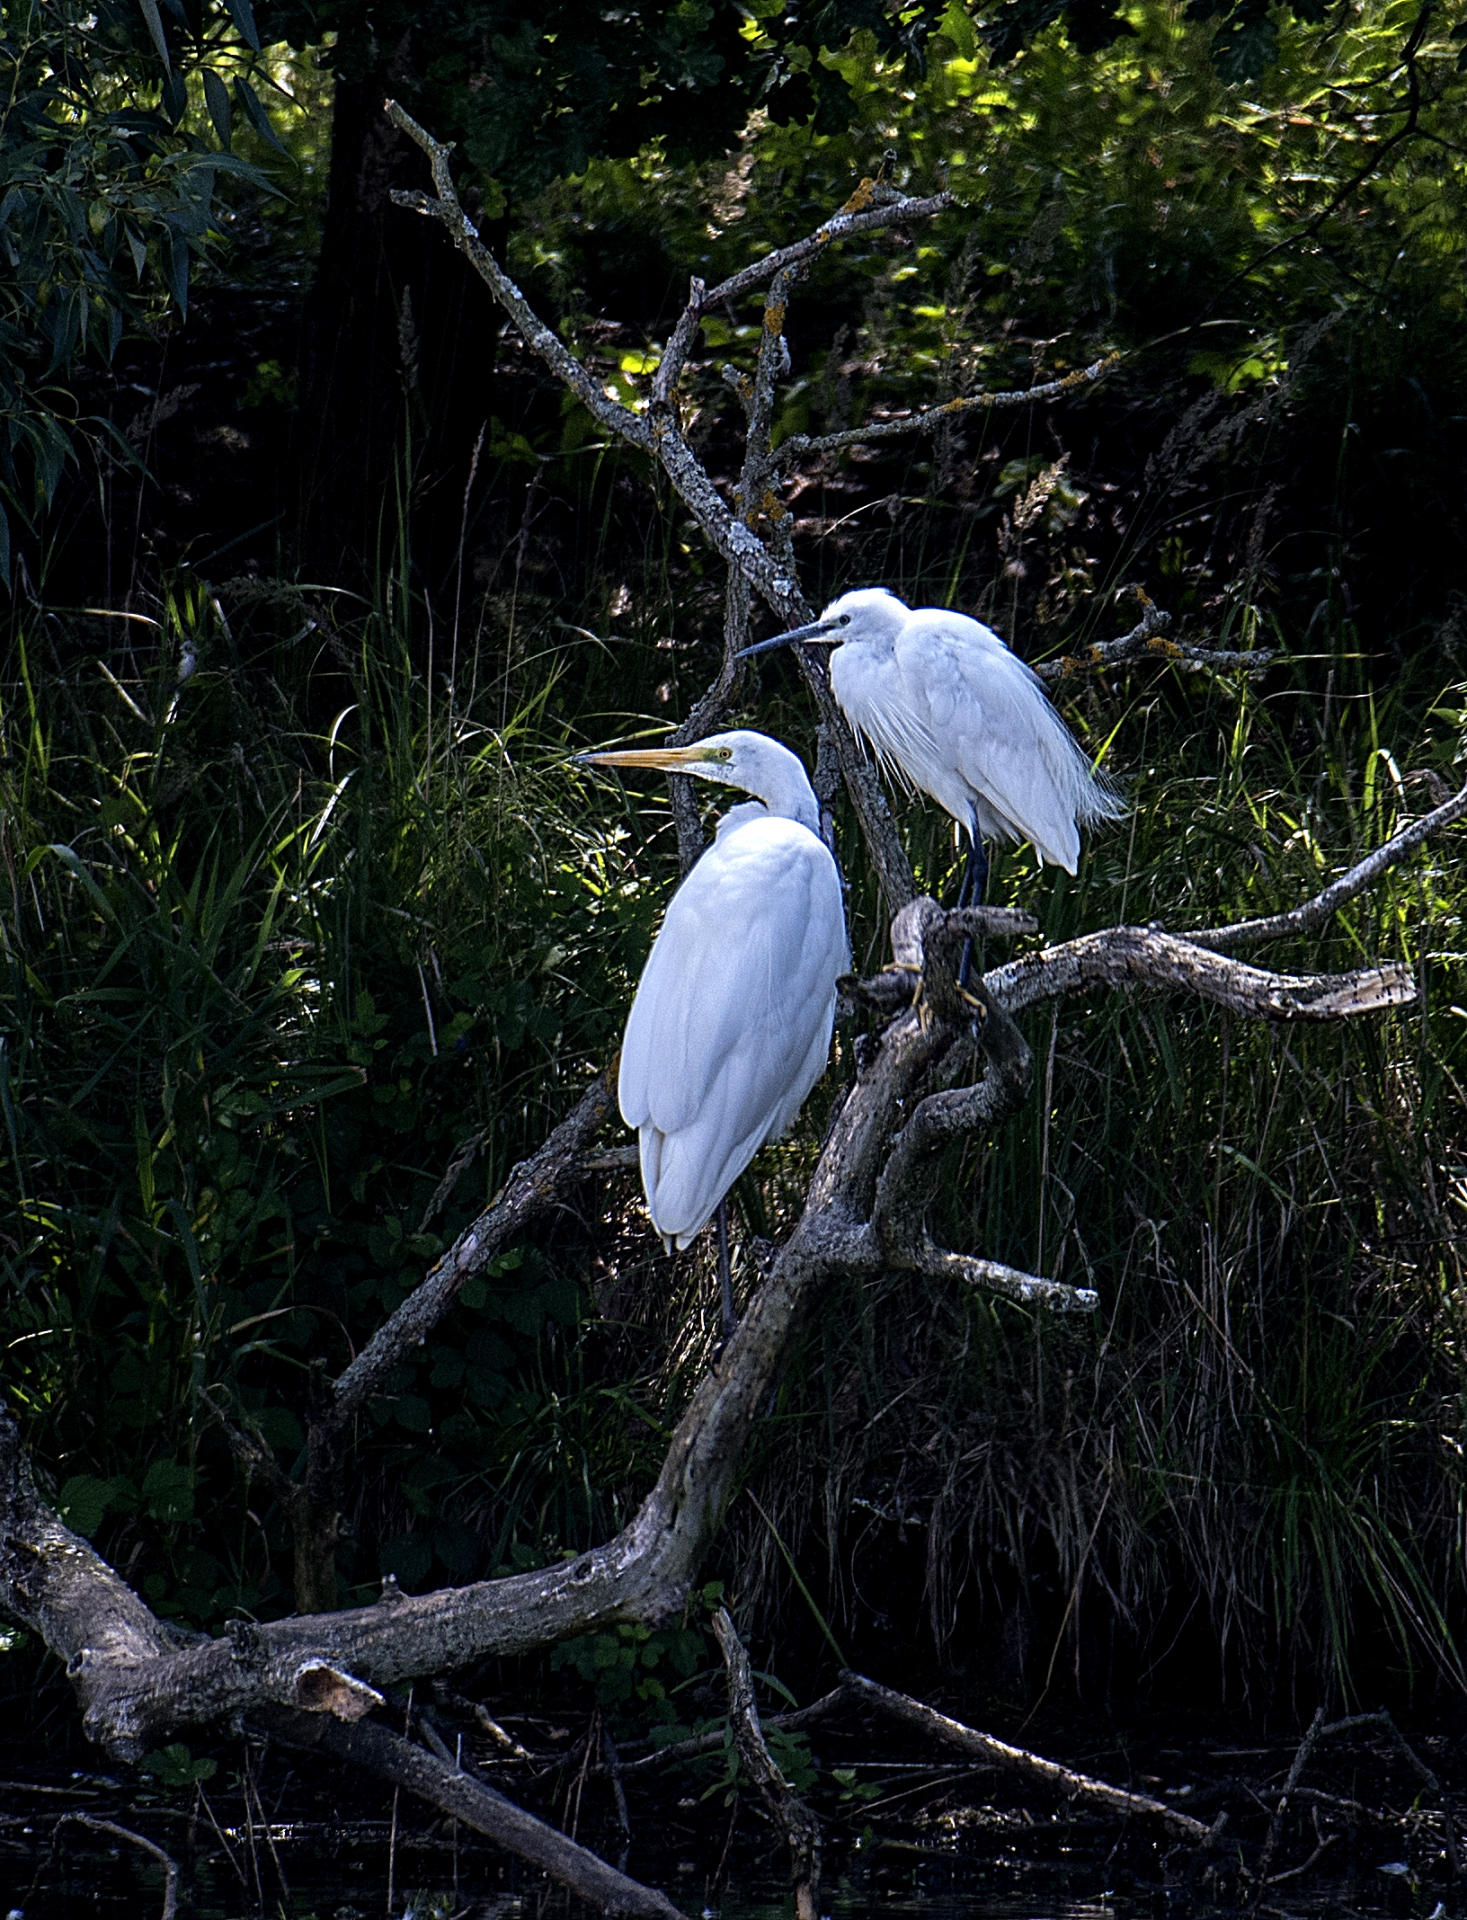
x=332 y=916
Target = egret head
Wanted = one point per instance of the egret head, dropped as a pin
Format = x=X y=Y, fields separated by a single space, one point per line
x=867 y=613
x=743 y=758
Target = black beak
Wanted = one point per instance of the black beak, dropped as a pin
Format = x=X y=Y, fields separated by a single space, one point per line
x=817 y=630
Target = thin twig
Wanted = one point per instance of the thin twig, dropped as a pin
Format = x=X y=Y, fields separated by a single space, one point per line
x=1148 y=639
x=167 y=1862
x=1276 y=1822
x=793 y=1722
x=930 y=418
x=864 y=212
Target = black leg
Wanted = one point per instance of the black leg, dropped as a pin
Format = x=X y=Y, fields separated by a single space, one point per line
x=975 y=882
x=725 y=1273
x=975 y=874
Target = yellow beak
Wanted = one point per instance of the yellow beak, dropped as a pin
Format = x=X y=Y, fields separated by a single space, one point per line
x=665 y=759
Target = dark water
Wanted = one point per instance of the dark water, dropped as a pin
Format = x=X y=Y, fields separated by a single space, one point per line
x=274 y=1834
x=971 y=1861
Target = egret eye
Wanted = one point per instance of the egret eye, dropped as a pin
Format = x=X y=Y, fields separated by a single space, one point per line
x=844 y=621
x=723 y=753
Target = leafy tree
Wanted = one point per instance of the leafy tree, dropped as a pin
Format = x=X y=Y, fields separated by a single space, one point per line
x=530 y=95
x=107 y=196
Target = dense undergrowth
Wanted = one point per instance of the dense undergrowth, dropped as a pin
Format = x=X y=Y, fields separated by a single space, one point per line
x=270 y=980
x=305 y=949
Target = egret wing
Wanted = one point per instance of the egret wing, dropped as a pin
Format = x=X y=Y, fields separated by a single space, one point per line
x=1001 y=736
x=736 y=999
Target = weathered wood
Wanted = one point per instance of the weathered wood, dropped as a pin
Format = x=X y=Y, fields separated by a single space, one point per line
x=1126 y=956
x=794 y=1819
x=378 y=1751
x=983 y=1746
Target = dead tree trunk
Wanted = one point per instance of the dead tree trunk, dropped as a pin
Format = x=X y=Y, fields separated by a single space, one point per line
x=932 y=1071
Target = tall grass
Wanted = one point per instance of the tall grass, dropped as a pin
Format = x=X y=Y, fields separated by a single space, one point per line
x=288 y=939
x=268 y=977
x=1245 y=1476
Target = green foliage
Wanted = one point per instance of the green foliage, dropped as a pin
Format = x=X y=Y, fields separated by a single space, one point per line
x=175 y=1767
x=622 y=1665
x=634 y=1671
x=853 y=1791
x=106 y=202
x=532 y=98
x=261 y=986
x=724 y=1770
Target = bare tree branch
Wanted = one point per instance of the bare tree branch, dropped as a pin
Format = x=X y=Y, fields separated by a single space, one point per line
x=1325 y=904
x=828 y=1705
x=1149 y=638
x=794 y=1819
x=1025 y=1289
x=378 y=1751
x=1318 y=1730
x=869 y=207
x=679 y=345
x=1126 y=956
x=930 y=418
x=983 y=1746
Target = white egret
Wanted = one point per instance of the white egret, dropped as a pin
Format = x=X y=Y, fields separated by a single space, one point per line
x=946 y=706
x=731 y=1023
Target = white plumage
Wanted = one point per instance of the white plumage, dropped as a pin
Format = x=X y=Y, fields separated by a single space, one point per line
x=732 y=1019
x=949 y=709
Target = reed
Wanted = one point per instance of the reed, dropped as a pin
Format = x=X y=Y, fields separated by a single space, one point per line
x=288 y=940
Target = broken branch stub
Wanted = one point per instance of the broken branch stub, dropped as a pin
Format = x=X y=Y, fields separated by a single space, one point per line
x=794 y=1819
